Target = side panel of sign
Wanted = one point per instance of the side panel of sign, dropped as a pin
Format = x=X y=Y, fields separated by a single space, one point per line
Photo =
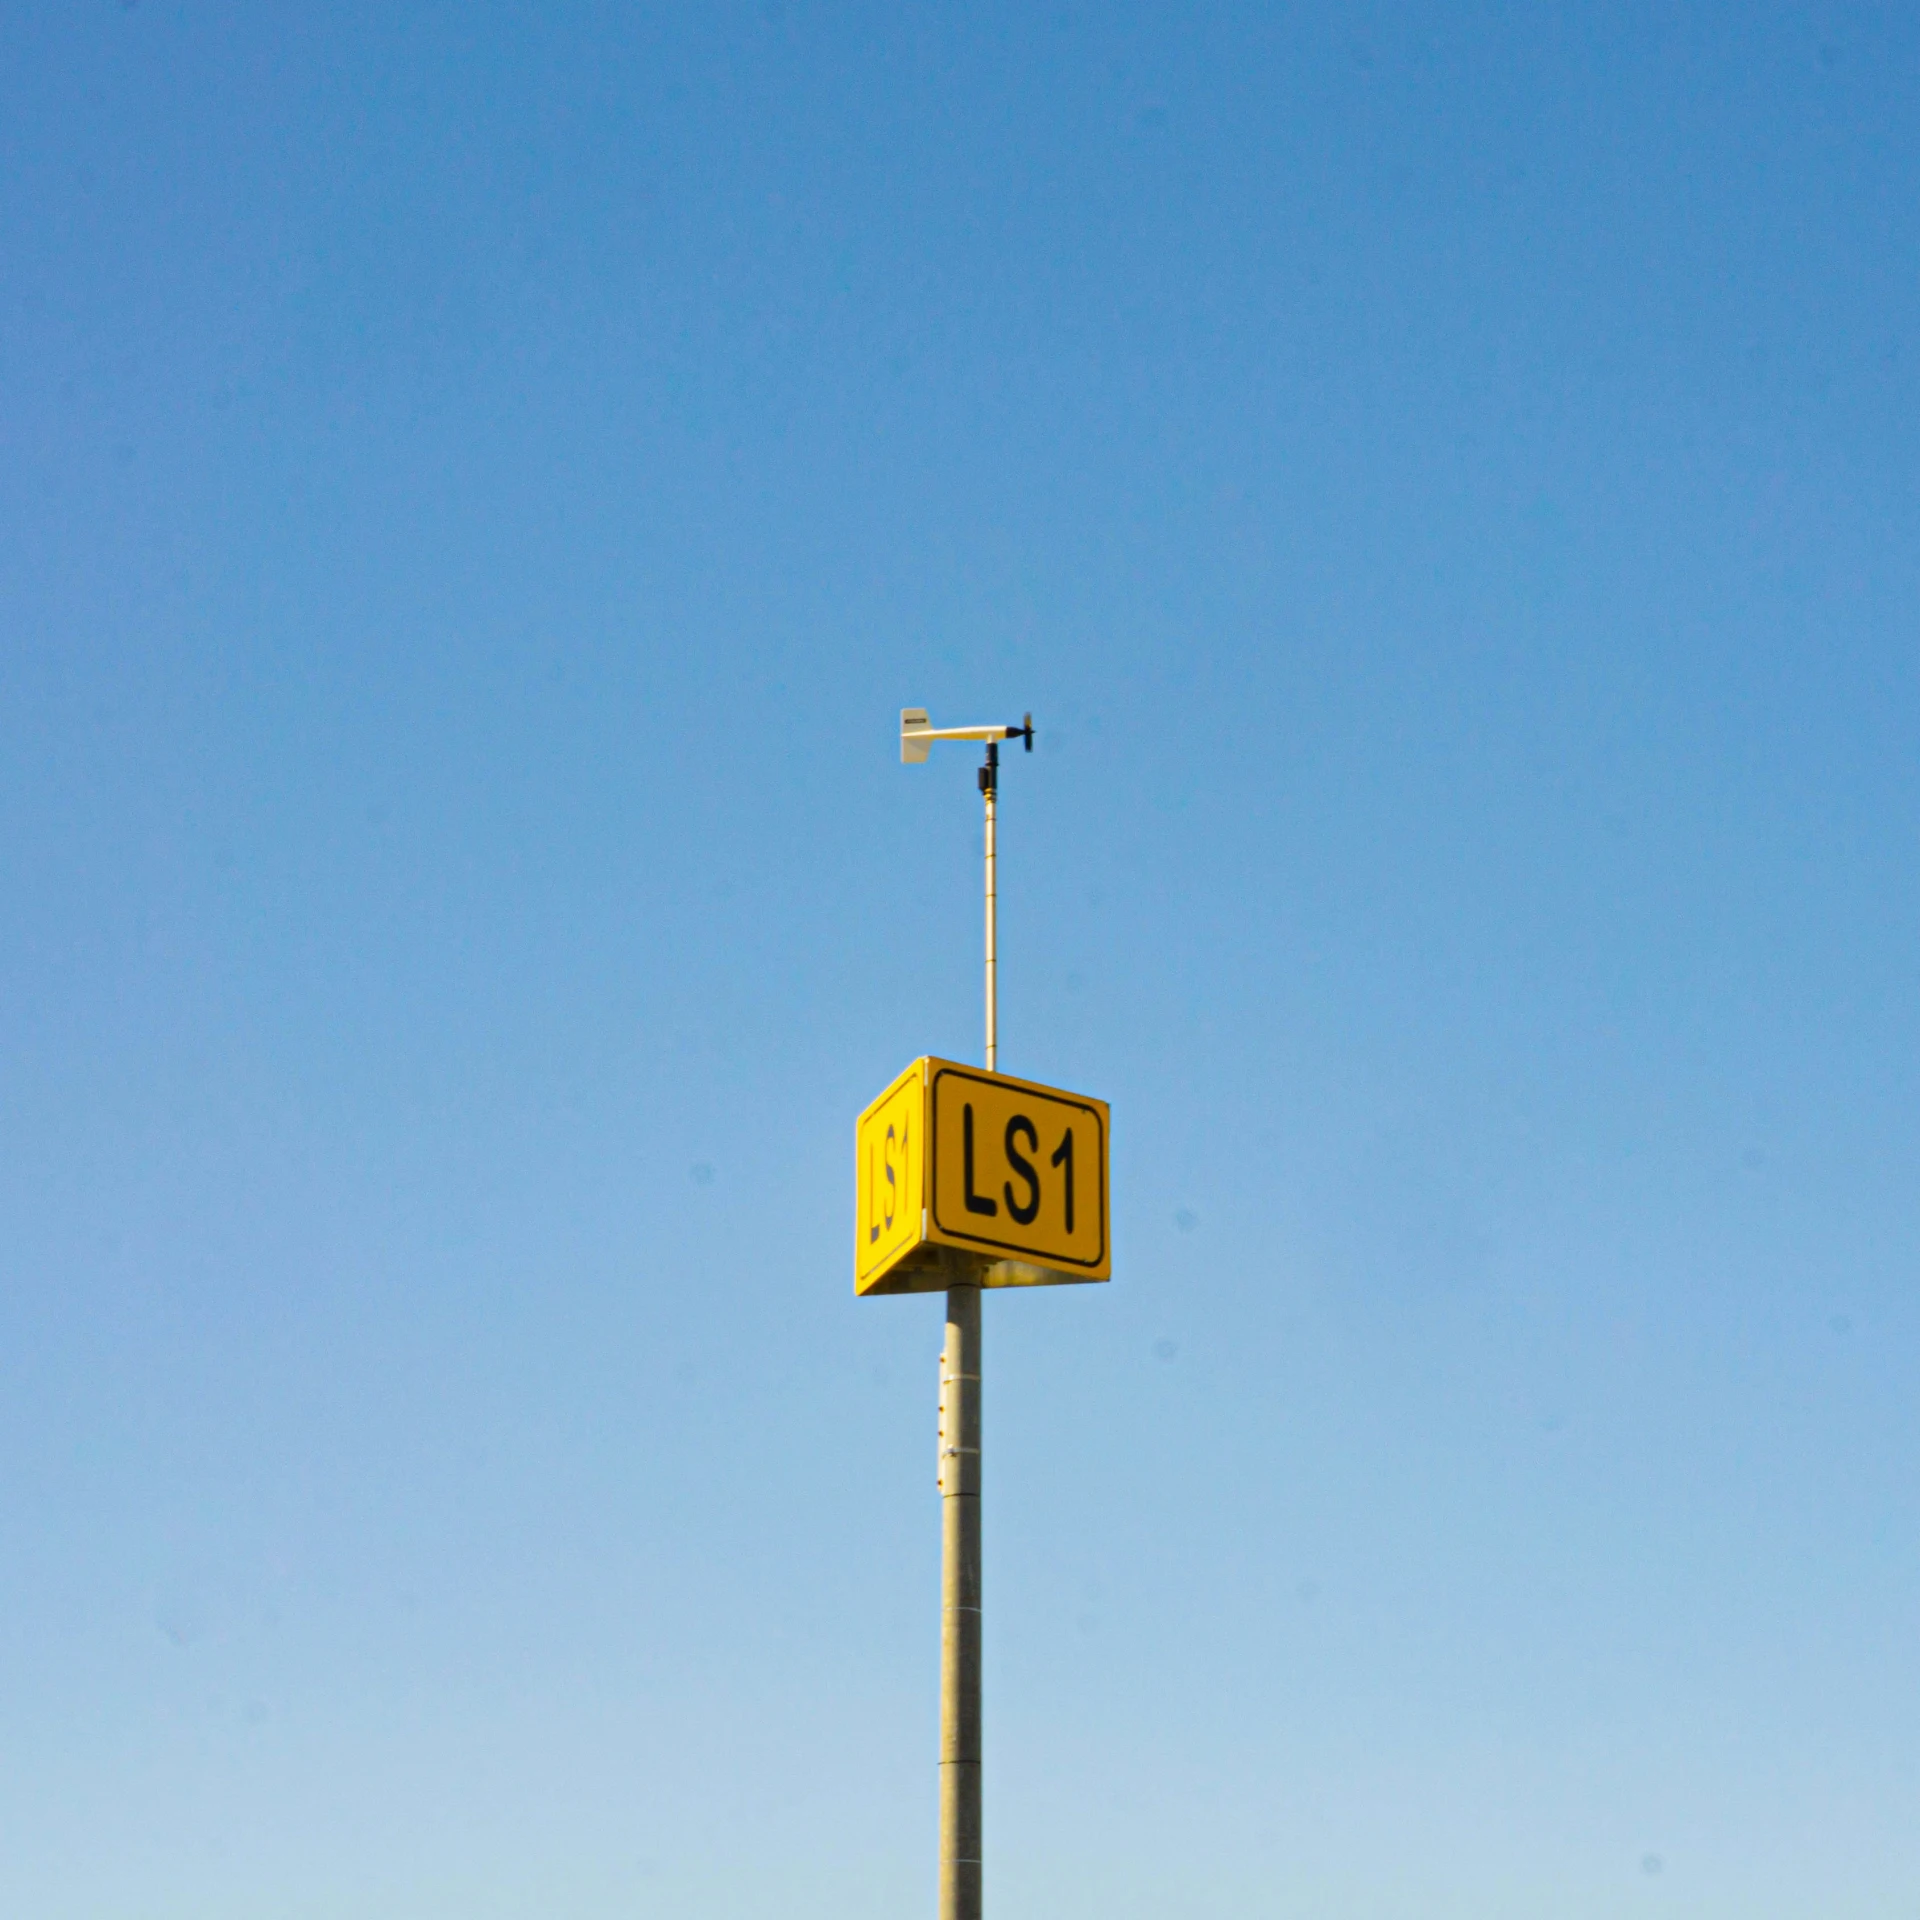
x=889 y=1181
x=1019 y=1171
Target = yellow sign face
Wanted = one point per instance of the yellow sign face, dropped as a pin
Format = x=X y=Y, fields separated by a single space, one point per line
x=966 y=1176
x=1019 y=1171
x=890 y=1182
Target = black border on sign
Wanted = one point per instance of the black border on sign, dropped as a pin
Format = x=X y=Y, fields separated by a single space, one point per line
x=933 y=1158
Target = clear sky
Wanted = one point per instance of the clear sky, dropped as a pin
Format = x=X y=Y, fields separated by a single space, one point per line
x=477 y=484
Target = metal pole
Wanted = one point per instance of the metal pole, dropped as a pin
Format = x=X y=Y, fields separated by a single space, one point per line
x=989 y=786
x=960 y=1608
x=960 y=1848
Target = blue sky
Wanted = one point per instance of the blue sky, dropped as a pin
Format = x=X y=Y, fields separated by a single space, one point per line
x=477 y=485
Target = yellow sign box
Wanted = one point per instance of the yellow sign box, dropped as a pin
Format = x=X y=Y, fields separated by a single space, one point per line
x=967 y=1176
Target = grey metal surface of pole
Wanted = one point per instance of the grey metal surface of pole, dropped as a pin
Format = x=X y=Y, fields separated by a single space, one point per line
x=960 y=1826
x=989 y=784
x=960 y=1848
